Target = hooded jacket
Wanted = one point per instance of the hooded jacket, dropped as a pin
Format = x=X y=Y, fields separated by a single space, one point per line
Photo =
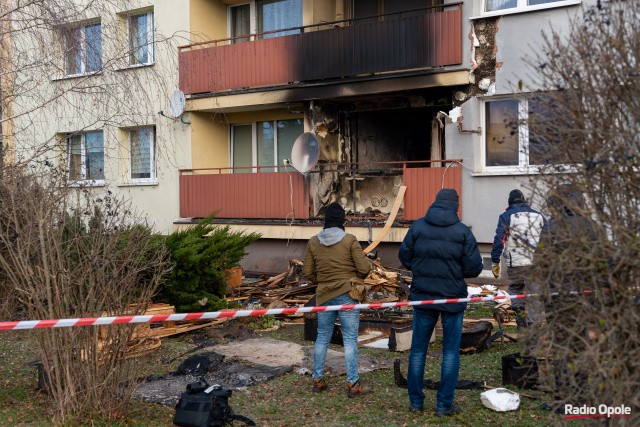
x=333 y=257
x=441 y=252
x=517 y=235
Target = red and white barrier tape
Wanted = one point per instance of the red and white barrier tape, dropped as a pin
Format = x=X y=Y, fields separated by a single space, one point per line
x=95 y=321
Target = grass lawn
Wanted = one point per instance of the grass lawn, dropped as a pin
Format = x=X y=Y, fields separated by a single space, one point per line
x=286 y=401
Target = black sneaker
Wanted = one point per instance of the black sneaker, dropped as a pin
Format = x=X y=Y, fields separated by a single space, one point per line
x=356 y=389
x=415 y=409
x=319 y=385
x=454 y=410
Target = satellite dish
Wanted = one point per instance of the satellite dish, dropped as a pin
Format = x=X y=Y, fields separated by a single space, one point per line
x=176 y=104
x=305 y=152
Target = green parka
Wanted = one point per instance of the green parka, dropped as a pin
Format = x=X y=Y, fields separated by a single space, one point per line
x=332 y=267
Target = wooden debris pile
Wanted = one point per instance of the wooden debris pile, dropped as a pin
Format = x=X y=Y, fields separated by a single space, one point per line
x=290 y=289
x=147 y=337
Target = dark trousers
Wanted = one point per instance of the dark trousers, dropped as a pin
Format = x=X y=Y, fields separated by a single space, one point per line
x=519 y=282
x=423 y=323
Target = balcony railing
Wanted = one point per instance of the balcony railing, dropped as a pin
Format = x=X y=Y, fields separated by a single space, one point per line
x=284 y=195
x=429 y=37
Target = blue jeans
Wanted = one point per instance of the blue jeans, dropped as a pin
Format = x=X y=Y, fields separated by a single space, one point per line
x=423 y=323
x=349 y=321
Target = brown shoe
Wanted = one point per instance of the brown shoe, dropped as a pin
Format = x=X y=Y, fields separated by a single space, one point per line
x=356 y=389
x=319 y=385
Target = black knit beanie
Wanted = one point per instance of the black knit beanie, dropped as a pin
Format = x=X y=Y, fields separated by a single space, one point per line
x=334 y=216
x=450 y=196
x=516 y=196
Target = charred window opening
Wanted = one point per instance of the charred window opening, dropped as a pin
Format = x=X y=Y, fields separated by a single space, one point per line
x=395 y=136
x=367 y=143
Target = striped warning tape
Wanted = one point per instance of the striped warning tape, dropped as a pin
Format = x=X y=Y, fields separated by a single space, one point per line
x=113 y=320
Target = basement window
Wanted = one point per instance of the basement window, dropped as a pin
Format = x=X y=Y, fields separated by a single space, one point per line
x=262 y=144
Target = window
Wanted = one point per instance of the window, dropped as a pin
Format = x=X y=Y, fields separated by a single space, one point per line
x=240 y=22
x=523 y=5
x=502 y=137
x=85 y=156
x=263 y=144
x=83 y=49
x=263 y=16
x=141 y=41
x=142 y=155
x=507 y=140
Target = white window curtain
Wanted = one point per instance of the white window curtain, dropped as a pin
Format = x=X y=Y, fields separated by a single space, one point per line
x=142 y=147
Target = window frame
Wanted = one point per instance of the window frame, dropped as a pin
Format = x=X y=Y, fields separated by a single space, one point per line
x=151 y=51
x=254 y=145
x=523 y=137
x=153 y=179
x=84 y=181
x=523 y=7
x=253 y=19
x=83 y=48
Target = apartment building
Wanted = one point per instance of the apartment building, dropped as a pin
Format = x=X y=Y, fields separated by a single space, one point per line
x=403 y=92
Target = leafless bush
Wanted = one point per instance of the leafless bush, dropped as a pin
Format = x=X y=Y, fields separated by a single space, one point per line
x=585 y=135
x=67 y=253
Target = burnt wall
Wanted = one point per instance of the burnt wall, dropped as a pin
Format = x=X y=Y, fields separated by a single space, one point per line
x=393 y=135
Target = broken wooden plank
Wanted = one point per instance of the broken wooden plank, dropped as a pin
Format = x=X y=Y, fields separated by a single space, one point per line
x=389 y=223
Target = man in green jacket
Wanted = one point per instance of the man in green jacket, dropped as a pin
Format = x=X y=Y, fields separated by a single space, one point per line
x=333 y=258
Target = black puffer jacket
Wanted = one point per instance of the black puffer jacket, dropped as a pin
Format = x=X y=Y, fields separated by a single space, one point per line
x=441 y=252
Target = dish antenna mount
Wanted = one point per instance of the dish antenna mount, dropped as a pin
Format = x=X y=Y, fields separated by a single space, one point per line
x=176 y=107
x=305 y=152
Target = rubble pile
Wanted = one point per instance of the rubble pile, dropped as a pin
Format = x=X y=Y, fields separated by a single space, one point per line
x=290 y=289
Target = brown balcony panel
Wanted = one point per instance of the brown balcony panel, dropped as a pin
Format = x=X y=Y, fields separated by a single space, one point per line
x=244 y=195
x=423 y=41
x=422 y=186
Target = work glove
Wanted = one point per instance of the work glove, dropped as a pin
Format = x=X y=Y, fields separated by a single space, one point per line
x=495 y=269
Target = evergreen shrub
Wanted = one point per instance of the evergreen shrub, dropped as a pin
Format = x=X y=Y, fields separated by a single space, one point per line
x=201 y=256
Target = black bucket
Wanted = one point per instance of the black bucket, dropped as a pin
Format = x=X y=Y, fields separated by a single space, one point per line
x=521 y=371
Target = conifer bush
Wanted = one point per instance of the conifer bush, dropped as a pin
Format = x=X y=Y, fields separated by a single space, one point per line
x=201 y=255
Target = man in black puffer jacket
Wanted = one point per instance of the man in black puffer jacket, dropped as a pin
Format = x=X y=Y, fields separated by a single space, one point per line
x=441 y=252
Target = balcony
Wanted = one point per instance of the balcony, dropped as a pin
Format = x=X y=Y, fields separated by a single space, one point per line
x=430 y=37
x=285 y=195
